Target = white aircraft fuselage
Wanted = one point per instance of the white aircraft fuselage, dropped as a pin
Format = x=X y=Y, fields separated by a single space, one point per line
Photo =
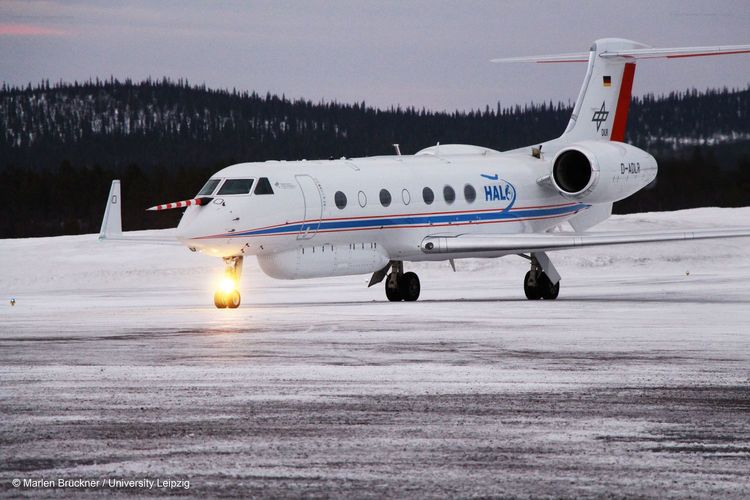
x=300 y=232
x=305 y=219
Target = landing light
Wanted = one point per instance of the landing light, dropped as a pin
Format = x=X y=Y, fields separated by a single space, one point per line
x=227 y=285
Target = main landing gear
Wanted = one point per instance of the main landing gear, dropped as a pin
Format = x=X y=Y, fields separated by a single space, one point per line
x=398 y=284
x=228 y=295
x=537 y=285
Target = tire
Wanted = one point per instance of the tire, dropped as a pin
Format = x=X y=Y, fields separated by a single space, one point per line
x=219 y=300
x=409 y=287
x=393 y=294
x=532 y=292
x=233 y=299
x=548 y=290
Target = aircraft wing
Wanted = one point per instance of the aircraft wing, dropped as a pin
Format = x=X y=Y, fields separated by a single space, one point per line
x=522 y=243
x=112 y=224
x=154 y=237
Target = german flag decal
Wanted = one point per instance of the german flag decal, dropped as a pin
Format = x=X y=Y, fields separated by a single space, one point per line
x=607 y=81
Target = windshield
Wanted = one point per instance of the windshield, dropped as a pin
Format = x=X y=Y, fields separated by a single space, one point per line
x=209 y=187
x=236 y=186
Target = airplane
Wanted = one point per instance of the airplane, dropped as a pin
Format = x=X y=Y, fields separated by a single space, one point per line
x=351 y=216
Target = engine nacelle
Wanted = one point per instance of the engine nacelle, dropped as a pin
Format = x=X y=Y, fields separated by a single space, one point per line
x=601 y=172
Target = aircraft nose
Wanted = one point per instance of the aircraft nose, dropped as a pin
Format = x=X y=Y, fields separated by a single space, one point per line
x=187 y=228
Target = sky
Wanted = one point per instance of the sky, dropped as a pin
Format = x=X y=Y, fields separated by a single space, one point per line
x=432 y=54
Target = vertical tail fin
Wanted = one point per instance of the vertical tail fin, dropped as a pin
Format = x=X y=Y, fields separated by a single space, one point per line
x=601 y=110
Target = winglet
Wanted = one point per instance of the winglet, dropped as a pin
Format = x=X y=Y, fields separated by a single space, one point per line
x=112 y=221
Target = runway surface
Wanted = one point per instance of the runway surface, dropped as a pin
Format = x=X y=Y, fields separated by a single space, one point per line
x=635 y=382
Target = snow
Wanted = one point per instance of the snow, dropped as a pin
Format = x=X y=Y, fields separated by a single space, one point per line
x=114 y=363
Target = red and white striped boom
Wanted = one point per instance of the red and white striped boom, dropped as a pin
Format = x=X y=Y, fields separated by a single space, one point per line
x=181 y=204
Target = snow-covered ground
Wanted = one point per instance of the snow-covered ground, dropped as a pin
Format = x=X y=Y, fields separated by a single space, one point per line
x=636 y=381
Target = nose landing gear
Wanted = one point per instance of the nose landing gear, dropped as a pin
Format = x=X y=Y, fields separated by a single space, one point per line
x=228 y=295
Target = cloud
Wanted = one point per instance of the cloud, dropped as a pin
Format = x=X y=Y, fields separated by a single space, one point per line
x=15 y=29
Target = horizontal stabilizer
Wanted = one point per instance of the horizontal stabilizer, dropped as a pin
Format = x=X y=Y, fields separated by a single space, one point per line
x=554 y=58
x=519 y=243
x=633 y=53
x=678 y=52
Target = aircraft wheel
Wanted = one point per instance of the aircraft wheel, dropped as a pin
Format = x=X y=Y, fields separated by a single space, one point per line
x=393 y=294
x=232 y=299
x=533 y=292
x=548 y=290
x=409 y=287
x=219 y=299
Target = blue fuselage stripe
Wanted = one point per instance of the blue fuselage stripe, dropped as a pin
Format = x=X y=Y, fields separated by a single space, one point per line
x=415 y=220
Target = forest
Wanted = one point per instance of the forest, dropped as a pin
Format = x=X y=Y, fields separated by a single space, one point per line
x=62 y=144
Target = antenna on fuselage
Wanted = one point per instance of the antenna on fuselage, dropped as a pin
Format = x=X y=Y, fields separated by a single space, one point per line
x=398 y=149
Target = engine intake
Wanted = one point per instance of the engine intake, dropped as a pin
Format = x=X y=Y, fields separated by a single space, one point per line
x=601 y=171
x=572 y=172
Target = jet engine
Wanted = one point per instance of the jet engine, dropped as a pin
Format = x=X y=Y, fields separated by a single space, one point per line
x=601 y=172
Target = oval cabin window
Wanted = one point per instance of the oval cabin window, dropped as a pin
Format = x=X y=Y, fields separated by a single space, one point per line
x=340 y=199
x=449 y=194
x=385 y=197
x=470 y=193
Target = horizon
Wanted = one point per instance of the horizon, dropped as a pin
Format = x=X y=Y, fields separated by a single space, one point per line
x=184 y=82
x=423 y=54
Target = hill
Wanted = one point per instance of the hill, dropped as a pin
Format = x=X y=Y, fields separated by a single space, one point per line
x=164 y=138
x=171 y=123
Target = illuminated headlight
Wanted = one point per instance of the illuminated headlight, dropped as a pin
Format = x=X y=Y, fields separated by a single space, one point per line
x=227 y=285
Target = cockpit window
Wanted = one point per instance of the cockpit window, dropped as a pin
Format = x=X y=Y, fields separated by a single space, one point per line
x=263 y=186
x=209 y=187
x=236 y=186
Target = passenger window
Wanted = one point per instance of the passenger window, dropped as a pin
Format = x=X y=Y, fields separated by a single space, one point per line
x=405 y=196
x=236 y=186
x=208 y=187
x=428 y=196
x=470 y=193
x=362 y=199
x=340 y=199
x=263 y=186
x=449 y=194
x=385 y=197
